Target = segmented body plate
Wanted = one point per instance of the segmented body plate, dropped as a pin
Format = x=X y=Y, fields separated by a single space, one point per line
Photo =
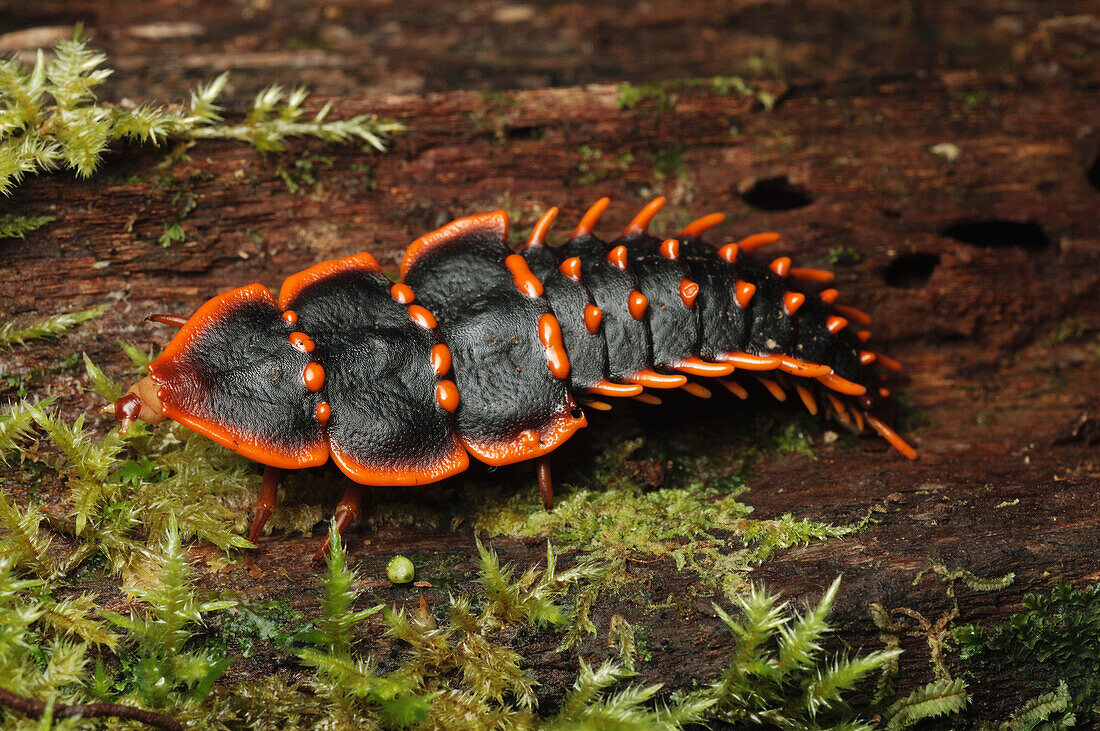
x=481 y=350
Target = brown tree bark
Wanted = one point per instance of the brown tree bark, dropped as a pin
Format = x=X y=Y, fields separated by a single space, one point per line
x=970 y=196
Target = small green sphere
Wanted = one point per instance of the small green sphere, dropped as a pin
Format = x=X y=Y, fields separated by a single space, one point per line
x=400 y=570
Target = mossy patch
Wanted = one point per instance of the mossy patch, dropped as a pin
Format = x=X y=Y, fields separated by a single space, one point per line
x=693 y=515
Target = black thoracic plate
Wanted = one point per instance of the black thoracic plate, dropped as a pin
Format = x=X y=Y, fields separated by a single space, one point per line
x=587 y=351
x=722 y=321
x=674 y=327
x=507 y=393
x=386 y=426
x=231 y=374
x=628 y=343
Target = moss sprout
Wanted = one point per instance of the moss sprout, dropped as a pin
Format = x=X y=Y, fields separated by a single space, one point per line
x=11 y=334
x=702 y=526
x=50 y=117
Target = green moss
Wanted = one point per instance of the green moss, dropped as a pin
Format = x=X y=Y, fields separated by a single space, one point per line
x=50 y=117
x=595 y=165
x=11 y=334
x=700 y=524
x=15 y=226
x=668 y=163
x=844 y=256
x=651 y=98
x=497 y=108
x=1055 y=636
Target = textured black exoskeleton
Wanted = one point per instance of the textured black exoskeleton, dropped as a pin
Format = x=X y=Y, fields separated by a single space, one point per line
x=485 y=352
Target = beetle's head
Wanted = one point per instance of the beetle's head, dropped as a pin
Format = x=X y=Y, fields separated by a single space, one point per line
x=140 y=402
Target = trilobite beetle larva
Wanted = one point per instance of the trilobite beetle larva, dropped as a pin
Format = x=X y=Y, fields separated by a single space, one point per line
x=481 y=351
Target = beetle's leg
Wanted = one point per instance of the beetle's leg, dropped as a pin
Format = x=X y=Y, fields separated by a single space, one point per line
x=347 y=510
x=265 y=502
x=163 y=319
x=546 y=487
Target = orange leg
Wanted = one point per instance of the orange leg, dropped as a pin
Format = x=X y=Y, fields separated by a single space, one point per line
x=265 y=503
x=546 y=487
x=347 y=510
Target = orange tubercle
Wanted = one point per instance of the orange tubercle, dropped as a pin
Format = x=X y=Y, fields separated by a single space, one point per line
x=835 y=324
x=773 y=388
x=888 y=363
x=641 y=221
x=781 y=266
x=446 y=393
x=607 y=388
x=550 y=337
x=752 y=362
x=866 y=357
x=792 y=301
x=441 y=359
x=617 y=257
x=699 y=367
x=591 y=217
x=804 y=368
x=734 y=387
x=689 y=290
x=755 y=241
x=538 y=233
x=807 y=399
x=422 y=317
x=842 y=385
x=637 y=304
x=526 y=281
x=314 y=376
x=302 y=342
x=571 y=268
x=291 y=316
x=593 y=316
x=728 y=253
x=402 y=293
x=743 y=292
x=821 y=276
x=652 y=379
x=891 y=436
x=863 y=335
x=855 y=315
x=828 y=296
x=697 y=389
x=324 y=412
x=670 y=249
x=700 y=225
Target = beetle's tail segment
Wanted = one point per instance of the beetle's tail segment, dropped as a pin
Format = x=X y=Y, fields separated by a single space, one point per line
x=347 y=510
x=665 y=309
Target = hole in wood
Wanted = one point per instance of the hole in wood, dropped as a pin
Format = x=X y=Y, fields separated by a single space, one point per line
x=1094 y=173
x=777 y=194
x=998 y=233
x=911 y=271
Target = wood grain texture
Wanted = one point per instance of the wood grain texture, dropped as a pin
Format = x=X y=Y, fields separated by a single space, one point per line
x=854 y=134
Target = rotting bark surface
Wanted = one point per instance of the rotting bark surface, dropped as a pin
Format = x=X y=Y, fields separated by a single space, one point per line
x=983 y=273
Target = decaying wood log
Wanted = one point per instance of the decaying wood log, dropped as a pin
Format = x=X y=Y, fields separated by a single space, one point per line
x=959 y=207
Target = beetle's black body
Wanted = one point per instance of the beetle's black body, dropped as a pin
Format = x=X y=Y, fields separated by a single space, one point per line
x=483 y=351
